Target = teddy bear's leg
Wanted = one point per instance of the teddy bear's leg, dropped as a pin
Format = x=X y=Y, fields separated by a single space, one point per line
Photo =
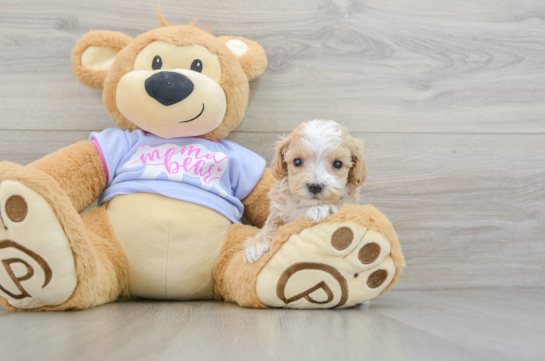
x=53 y=259
x=349 y=258
x=234 y=279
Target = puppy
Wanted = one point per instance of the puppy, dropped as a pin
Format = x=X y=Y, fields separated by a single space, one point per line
x=318 y=166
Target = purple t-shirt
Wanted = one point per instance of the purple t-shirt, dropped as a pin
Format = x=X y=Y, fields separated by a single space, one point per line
x=217 y=175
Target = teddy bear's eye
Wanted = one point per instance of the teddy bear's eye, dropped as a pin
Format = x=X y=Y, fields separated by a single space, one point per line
x=337 y=164
x=297 y=162
x=157 y=63
x=196 y=65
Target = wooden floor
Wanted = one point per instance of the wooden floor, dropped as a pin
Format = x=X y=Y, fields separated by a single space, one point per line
x=449 y=99
x=404 y=325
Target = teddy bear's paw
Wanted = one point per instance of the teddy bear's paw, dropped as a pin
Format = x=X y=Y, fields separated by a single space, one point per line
x=37 y=263
x=325 y=266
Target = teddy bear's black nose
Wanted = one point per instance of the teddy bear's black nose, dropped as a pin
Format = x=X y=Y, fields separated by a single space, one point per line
x=168 y=87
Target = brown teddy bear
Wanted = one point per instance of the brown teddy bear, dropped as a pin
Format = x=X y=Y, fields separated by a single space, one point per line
x=171 y=193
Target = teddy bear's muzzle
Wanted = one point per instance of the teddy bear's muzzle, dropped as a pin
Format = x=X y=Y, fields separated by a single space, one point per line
x=171 y=103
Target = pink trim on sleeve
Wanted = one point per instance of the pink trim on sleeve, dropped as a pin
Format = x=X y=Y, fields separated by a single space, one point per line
x=103 y=160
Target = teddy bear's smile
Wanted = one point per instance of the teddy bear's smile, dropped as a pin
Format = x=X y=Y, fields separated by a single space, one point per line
x=192 y=119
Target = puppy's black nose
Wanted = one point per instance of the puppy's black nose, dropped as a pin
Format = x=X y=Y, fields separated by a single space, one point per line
x=315 y=188
x=168 y=87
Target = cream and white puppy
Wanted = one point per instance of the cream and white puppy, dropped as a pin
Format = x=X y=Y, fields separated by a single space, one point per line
x=318 y=166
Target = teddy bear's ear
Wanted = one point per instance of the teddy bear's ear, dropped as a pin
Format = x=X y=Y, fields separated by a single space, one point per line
x=250 y=54
x=95 y=53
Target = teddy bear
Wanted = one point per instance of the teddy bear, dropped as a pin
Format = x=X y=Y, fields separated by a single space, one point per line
x=171 y=192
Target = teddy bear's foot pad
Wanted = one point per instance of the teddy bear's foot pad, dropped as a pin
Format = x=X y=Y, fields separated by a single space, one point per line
x=326 y=266
x=37 y=266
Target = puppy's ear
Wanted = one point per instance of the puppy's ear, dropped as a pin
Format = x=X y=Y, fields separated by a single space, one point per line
x=250 y=54
x=279 y=168
x=94 y=54
x=358 y=173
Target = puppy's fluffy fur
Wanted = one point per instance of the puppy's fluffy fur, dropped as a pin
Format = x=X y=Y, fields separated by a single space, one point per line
x=311 y=181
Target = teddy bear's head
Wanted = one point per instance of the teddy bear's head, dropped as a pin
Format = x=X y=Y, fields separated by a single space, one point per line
x=175 y=81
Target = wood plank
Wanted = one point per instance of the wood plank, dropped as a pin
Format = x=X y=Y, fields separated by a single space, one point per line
x=433 y=325
x=468 y=208
x=380 y=66
x=24 y=147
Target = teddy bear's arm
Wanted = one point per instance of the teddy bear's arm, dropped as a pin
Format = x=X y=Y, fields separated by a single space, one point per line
x=79 y=171
x=256 y=204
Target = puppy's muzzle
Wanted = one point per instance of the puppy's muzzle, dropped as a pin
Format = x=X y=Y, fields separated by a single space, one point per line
x=315 y=188
x=168 y=87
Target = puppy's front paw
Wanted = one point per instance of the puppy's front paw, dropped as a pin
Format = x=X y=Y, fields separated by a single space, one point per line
x=256 y=247
x=317 y=213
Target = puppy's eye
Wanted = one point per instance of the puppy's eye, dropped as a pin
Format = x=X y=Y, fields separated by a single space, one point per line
x=196 y=65
x=297 y=162
x=337 y=164
x=157 y=63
